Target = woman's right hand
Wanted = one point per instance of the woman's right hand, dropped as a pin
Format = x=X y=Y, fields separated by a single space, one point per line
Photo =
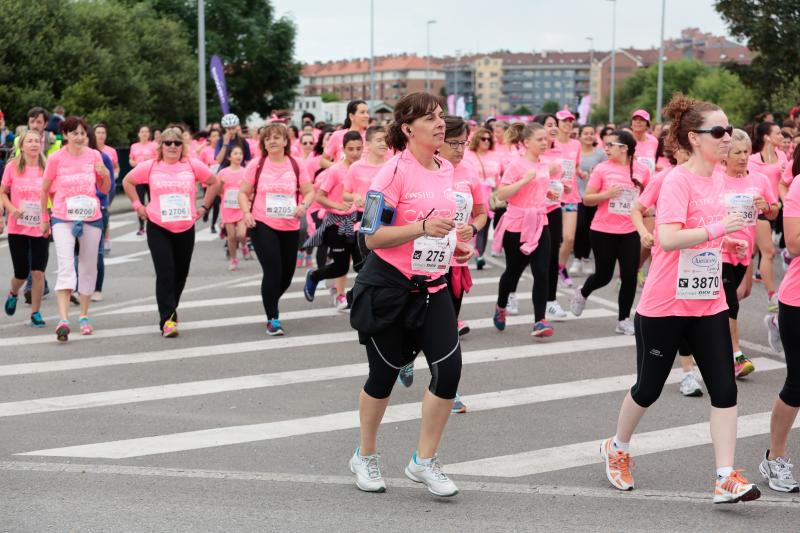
x=44 y=226
x=249 y=220
x=733 y=222
x=614 y=191
x=438 y=227
x=15 y=212
x=528 y=177
x=142 y=212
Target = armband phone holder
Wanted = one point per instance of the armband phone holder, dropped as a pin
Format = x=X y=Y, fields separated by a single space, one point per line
x=376 y=213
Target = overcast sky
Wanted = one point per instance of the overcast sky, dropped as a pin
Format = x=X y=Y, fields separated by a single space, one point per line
x=339 y=29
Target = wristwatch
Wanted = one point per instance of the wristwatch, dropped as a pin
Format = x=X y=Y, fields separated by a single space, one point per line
x=474 y=229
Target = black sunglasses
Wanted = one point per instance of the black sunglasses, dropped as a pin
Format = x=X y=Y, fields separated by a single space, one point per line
x=486 y=139
x=172 y=143
x=308 y=143
x=717 y=132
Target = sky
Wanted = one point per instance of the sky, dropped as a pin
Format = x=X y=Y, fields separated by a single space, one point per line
x=339 y=29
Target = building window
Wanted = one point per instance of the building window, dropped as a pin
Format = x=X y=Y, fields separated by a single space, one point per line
x=557 y=73
x=527 y=85
x=493 y=74
x=547 y=85
x=547 y=96
x=557 y=84
x=480 y=74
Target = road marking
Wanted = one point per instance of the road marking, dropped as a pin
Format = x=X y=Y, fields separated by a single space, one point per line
x=640 y=494
x=232 y=348
x=214 y=386
x=224 y=436
x=296 y=279
x=128 y=258
x=759 y=348
x=201 y=235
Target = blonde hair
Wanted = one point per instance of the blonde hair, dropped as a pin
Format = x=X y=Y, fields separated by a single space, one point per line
x=20 y=161
x=742 y=136
x=171 y=131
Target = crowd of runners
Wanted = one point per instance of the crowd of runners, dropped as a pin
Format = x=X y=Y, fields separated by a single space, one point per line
x=690 y=212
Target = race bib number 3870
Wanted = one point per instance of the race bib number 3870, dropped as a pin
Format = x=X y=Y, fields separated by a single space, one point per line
x=699 y=274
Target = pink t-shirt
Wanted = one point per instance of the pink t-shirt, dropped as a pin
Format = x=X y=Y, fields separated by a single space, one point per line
x=649 y=197
x=332 y=183
x=504 y=153
x=252 y=144
x=172 y=191
x=231 y=180
x=787 y=174
x=789 y=291
x=614 y=215
x=646 y=152
x=26 y=191
x=568 y=155
x=73 y=184
x=207 y=156
x=335 y=148
x=692 y=201
x=533 y=193
x=416 y=193
x=773 y=171
x=359 y=178
x=142 y=152
x=467 y=192
x=488 y=165
x=110 y=152
x=277 y=191
x=755 y=185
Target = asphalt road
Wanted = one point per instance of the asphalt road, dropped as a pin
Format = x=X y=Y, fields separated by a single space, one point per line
x=225 y=429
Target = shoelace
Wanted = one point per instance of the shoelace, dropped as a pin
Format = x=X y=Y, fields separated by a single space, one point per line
x=501 y=313
x=373 y=469
x=621 y=461
x=435 y=468
x=735 y=482
x=783 y=469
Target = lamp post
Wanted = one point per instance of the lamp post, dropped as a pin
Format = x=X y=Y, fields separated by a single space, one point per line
x=372 y=51
x=428 y=68
x=613 y=61
x=201 y=63
x=660 y=92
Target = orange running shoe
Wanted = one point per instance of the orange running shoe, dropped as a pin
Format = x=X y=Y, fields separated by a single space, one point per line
x=735 y=488
x=618 y=465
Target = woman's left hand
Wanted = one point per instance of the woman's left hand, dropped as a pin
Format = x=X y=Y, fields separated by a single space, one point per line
x=463 y=252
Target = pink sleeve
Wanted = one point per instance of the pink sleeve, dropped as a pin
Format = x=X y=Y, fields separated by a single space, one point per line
x=200 y=170
x=649 y=196
x=511 y=175
x=140 y=174
x=389 y=183
x=673 y=201
x=8 y=175
x=767 y=191
x=596 y=179
x=791 y=203
x=331 y=179
x=50 y=168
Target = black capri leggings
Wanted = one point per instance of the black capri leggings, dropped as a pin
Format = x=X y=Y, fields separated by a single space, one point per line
x=340 y=249
x=143 y=192
x=608 y=249
x=554 y=224
x=732 y=276
x=438 y=339
x=172 y=256
x=657 y=340
x=788 y=319
x=516 y=261
x=583 y=246
x=28 y=253
x=277 y=253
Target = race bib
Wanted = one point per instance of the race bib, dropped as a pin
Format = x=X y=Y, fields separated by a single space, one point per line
x=31 y=214
x=81 y=207
x=463 y=207
x=699 y=274
x=231 y=200
x=649 y=162
x=280 y=205
x=744 y=205
x=568 y=169
x=622 y=204
x=432 y=254
x=557 y=188
x=175 y=208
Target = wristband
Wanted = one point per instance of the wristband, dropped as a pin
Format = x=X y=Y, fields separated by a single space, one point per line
x=715 y=230
x=474 y=229
x=136 y=205
x=423 y=228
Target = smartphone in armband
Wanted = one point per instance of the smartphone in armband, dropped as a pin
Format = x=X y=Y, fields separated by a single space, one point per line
x=376 y=213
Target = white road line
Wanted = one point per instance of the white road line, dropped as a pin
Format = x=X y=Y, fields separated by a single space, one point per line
x=223 y=436
x=213 y=386
x=296 y=279
x=201 y=235
x=127 y=258
x=759 y=348
x=641 y=494
x=593 y=298
x=232 y=348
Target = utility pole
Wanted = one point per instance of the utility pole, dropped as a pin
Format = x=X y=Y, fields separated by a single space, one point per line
x=428 y=69
x=613 y=62
x=372 y=51
x=201 y=63
x=660 y=93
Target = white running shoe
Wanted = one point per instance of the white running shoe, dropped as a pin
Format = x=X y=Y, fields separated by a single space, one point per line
x=574 y=267
x=690 y=386
x=431 y=474
x=368 y=472
x=625 y=327
x=778 y=474
x=578 y=302
x=773 y=333
x=587 y=267
x=512 y=307
x=554 y=311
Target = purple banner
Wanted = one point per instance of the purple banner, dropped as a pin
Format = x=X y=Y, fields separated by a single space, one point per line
x=218 y=75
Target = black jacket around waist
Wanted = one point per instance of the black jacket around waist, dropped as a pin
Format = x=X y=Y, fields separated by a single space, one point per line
x=382 y=296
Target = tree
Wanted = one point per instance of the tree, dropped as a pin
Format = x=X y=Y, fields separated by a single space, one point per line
x=727 y=91
x=123 y=66
x=550 y=107
x=772 y=30
x=522 y=110
x=256 y=49
x=328 y=96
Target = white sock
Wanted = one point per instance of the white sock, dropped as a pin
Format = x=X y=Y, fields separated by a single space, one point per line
x=737 y=354
x=621 y=446
x=685 y=373
x=724 y=471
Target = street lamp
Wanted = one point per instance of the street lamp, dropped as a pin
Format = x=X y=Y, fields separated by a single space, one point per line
x=372 y=51
x=428 y=69
x=613 y=60
x=201 y=63
x=660 y=92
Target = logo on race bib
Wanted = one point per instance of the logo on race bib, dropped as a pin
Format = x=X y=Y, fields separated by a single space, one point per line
x=705 y=260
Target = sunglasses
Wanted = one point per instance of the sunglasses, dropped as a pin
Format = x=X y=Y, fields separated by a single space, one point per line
x=717 y=132
x=486 y=139
x=310 y=143
x=172 y=143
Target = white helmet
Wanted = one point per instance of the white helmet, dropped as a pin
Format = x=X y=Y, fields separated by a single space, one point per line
x=230 y=120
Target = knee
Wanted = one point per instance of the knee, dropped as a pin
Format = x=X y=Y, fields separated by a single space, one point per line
x=568 y=240
x=723 y=394
x=445 y=376
x=37 y=275
x=380 y=386
x=790 y=394
x=645 y=397
x=768 y=253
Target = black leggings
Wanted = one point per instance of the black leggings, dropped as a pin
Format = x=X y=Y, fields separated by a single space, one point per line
x=341 y=249
x=657 y=340
x=438 y=339
x=608 y=249
x=788 y=319
x=172 y=255
x=583 y=245
x=732 y=276
x=277 y=253
x=143 y=192
x=516 y=261
x=554 y=224
x=481 y=239
x=28 y=253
